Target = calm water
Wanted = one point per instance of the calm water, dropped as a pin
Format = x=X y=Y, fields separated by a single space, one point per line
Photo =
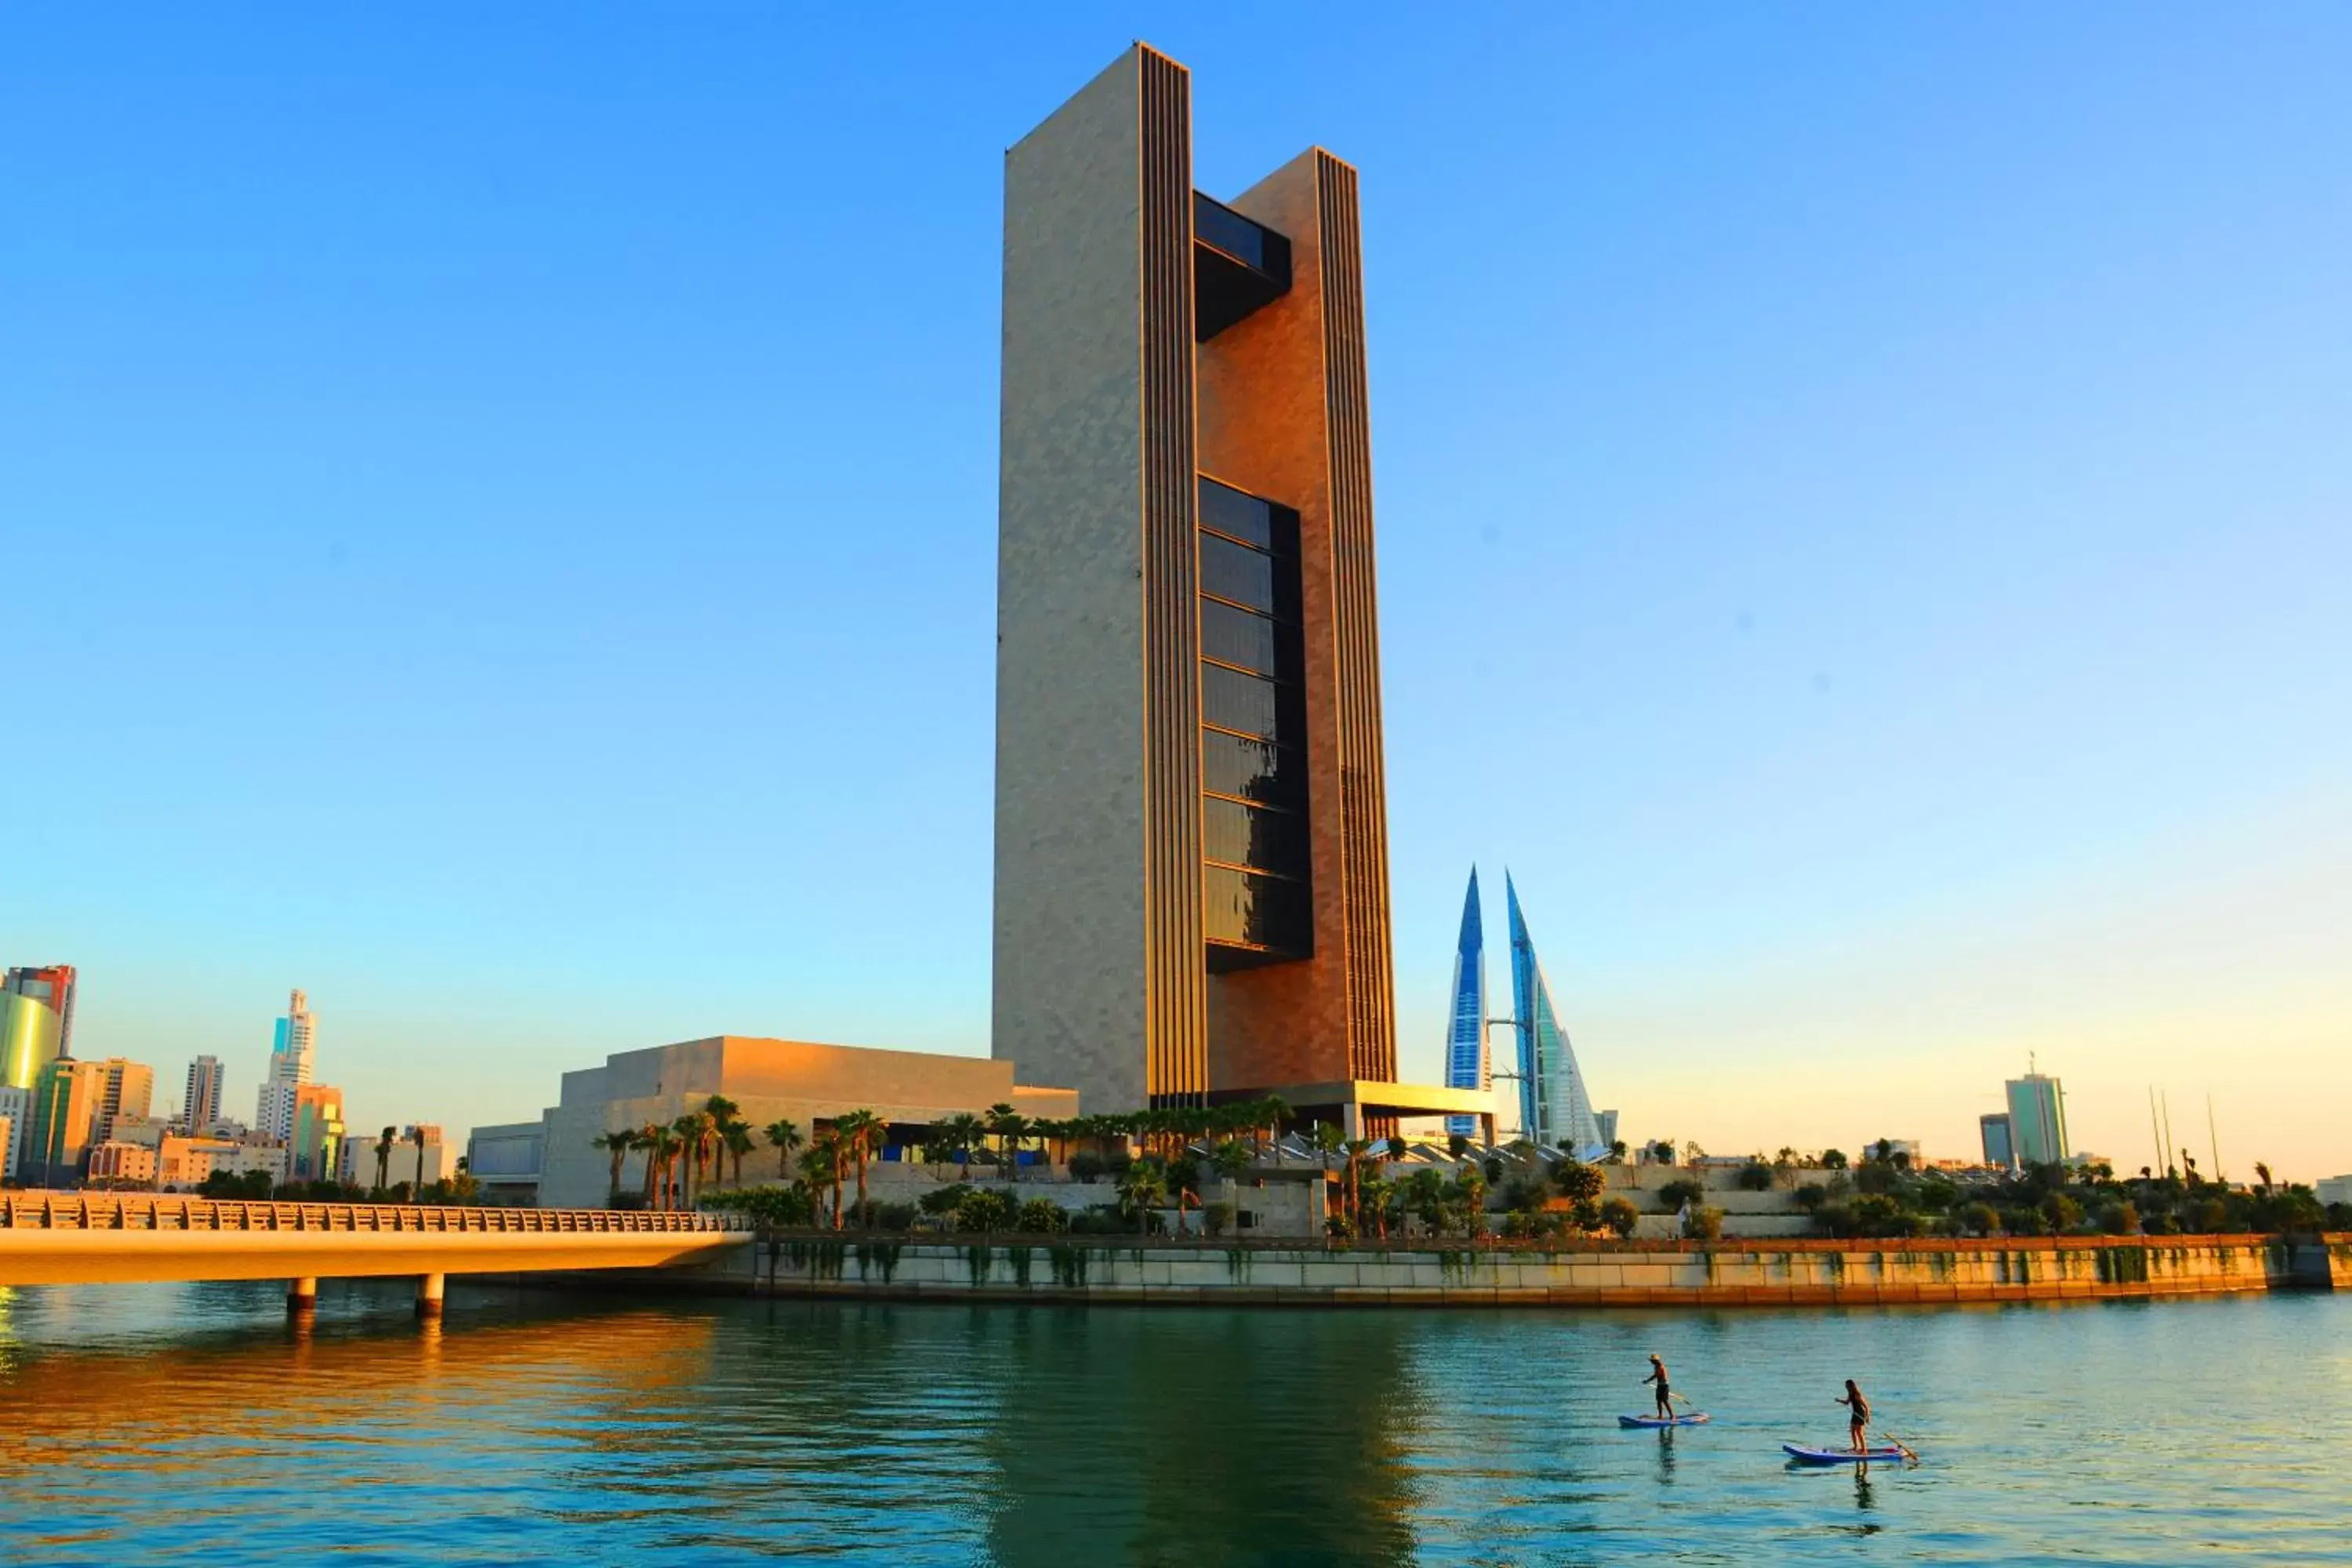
x=191 y=1422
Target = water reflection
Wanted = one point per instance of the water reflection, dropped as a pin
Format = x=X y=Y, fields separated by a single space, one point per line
x=179 y=1422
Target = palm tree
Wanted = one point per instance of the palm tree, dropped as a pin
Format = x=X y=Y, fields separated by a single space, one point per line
x=1009 y=1127
x=721 y=1109
x=1355 y=1149
x=858 y=1132
x=383 y=1159
x=646 y=1140
x=416 y=1136
x=698 y=1137
x=617 y=1144
x=783 y=1137
x=1274 y=1110
x=1142 y=1187
x=1329 y=1140
x=963 y=1131
x=823 y=1164
x=1231 y=1159
x=737 y=1138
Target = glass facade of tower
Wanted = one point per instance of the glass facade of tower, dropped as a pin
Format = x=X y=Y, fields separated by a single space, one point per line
x=1555 y=1109
x=1255 y=876
x=1466 y=1028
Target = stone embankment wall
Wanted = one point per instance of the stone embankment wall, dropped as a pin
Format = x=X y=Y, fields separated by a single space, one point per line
x=1631 y=1274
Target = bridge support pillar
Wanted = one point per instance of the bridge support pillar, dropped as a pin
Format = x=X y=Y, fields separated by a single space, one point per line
x=301 y=1298
x=429 y=1291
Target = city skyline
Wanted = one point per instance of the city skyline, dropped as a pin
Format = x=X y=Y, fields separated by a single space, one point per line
x=1894 y=645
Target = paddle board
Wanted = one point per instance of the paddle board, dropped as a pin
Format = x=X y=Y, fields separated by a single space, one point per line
x=1694 y=1419
x=1804 y=1456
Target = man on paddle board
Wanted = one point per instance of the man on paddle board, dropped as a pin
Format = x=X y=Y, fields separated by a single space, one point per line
x=1665 y=1394
x=1857 y=1416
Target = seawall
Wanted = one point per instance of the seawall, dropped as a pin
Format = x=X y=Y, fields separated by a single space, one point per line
x=1764 y=1273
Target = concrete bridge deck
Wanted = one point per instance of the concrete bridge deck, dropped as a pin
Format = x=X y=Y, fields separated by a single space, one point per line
x=84 y=1238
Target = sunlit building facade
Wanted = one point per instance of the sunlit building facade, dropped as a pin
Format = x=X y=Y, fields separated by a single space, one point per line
x=201 y=1106
x=292 y=1054
x=35 y=1021
x=1191 y=889
x=2037 y=1120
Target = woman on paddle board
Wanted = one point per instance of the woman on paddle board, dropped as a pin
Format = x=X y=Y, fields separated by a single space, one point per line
x=1665 y=1394
x=1857 y=1416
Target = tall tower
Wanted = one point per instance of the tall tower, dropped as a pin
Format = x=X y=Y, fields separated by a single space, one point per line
x=202 y=1104
x=1466 y=1024
x=1554 y=1108
x=291 y=1060
x=36 y=1007
x=1191 y=843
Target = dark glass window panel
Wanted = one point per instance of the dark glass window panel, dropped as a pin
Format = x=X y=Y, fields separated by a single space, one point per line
x=1236 y=512
x=1231 y=700
x=1252 y=836
x=1234 y=571
x=1244 y=239
x=1255 y=910
x=1236 y=637
x=1252 y=770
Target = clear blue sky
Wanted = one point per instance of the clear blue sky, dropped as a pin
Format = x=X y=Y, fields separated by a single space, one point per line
x=1865 y=511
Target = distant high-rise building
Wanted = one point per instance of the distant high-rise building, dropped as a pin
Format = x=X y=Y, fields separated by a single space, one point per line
x=1465 y=1028
x=17 y=1113
x=1555 y=1109
x=65 y=1111
x=125 y=1089
x=2037 y=1120
x=2000 y=1143
x=291 y=1057
x=35 y=1022
x=202 y=1106
x=314 y=1139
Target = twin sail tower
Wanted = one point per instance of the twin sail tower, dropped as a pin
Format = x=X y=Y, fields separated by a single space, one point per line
x=1555 y=1108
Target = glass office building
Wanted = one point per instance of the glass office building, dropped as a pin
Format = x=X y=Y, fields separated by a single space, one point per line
x=1465 y=1026
x=1555 y=1109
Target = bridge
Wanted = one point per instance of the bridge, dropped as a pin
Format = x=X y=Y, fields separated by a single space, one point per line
x=114 y=1238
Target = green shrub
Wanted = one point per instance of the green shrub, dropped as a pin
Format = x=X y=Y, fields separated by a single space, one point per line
x=1977 y=1219
x=1811 y=1197
x=1619 y=1214
x=1041 y=1216
x=1086 y=1166
x=1578 y=1182
x=984 y=1210
x=1755 y=1177
x=1703 y=1223
x=1220 y=1217
x=943 y=1201
x=1676 y=1193
x=2119 y=1219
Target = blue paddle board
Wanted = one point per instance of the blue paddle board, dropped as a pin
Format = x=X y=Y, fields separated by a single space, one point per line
x=1804 y=1456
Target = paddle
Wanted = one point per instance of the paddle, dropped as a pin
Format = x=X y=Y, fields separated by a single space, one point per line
x=1897 y=1443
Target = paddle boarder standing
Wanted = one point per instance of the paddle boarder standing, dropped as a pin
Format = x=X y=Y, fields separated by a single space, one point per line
x=1665 y=1394
x=1857 y=1415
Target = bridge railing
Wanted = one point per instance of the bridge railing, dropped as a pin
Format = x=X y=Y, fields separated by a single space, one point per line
x=169 y=1211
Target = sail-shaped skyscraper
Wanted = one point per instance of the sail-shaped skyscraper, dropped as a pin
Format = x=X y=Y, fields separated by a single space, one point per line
x=1466 y=1027
x=1555 y=1109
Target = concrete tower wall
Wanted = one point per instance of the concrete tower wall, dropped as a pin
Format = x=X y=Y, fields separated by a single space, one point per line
x=1097 y=760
